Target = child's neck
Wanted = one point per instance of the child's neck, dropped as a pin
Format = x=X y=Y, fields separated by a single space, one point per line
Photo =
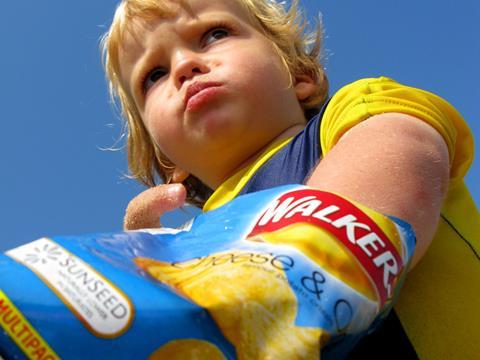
x=288 y=133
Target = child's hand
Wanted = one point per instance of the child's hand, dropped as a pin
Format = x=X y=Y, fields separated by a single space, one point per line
x=145 y=209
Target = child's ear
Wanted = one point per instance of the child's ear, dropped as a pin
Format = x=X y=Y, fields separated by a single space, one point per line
x=305 y=86
x=179 y=175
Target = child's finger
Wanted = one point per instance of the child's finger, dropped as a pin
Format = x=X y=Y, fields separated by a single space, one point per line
x=145 y=209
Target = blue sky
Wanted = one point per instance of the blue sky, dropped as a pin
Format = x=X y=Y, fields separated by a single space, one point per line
x=56 y=115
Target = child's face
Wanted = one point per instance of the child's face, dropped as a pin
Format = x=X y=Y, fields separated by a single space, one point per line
x=211 y=89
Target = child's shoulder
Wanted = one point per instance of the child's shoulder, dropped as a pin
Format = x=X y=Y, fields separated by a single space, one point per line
x=361 y=99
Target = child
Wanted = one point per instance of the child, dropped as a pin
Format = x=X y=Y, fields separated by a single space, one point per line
x=216 y=95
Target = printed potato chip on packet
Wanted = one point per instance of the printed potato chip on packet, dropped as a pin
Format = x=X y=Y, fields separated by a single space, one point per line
x=286 y=273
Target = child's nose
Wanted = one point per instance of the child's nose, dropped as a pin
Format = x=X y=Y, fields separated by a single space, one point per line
x=189 y=65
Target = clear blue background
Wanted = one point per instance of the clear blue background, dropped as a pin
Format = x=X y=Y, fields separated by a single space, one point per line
x=56 y=116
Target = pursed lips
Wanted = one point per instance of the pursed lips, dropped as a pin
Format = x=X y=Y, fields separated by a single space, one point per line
x=197 y=87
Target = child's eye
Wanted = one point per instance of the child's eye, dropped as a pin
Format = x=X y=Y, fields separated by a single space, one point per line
x=152 y=77
x=215 y=34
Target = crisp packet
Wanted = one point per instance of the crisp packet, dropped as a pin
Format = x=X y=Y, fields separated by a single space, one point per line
x=287 y=273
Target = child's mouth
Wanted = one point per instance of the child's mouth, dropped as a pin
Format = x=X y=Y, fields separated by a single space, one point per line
x=199 y=93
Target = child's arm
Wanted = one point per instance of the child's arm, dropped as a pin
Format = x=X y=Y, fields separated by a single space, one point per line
x=395 y=164
x=144 y=210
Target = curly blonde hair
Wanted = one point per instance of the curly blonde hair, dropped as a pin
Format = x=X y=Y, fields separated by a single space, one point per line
x=299 y=51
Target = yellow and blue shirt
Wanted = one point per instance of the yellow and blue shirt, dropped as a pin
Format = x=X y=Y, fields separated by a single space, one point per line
x=436 y=315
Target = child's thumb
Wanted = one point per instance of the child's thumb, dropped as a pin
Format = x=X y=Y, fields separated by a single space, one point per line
x=145 y=209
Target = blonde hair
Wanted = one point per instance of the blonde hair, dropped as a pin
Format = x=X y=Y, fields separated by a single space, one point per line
x=299 y=51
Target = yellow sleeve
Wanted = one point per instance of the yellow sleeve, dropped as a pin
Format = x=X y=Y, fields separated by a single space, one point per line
x=367 y=97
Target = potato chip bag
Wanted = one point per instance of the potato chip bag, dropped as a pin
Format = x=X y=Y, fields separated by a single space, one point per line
x=286 y=273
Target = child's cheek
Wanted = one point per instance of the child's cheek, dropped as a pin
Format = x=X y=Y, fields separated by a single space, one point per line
x=271 y=75
x=162 y=111
x=158 y=125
